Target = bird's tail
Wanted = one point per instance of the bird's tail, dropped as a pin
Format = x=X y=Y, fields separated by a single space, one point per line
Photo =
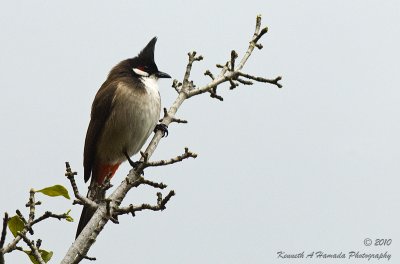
x=96 y=193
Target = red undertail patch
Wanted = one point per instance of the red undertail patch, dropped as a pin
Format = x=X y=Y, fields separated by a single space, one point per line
x=106 y=171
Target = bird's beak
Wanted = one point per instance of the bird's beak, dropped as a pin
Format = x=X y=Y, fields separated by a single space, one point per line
x=160 y=74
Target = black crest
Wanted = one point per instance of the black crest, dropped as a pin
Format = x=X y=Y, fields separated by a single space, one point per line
x=147 y=53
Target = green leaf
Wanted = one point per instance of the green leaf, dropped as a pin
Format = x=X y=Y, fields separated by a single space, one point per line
x=68 y=217
x=56 y=190
x=46 y=255
x=15 y=225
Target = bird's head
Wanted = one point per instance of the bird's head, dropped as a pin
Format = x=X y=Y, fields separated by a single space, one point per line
x=144 y=66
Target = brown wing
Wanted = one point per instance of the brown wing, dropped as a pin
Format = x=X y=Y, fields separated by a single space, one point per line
x=101 y=109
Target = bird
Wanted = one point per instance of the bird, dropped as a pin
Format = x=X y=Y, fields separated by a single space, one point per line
x=125 y=111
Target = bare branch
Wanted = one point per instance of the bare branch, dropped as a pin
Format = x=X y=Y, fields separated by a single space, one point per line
x=208 y=73
x=159 y=207
x=154 y=184
x=86 y=257
x=29 y=228
x=31 y=204
x=13 y=244
x=109 y=214
x=261 y=79
x=213 y=94
x=173 y=119
x=176 y=85
x=38 y=243
x=256 y=37
x=213 y=91
x=179 y=121
x=34 y=250
x=234 y=56
x=245 y=82
x=71 y=177
x=233 y=84
x=48 y=214
x=186 y=155
x=260 y=34
x=229 y=74
x=192 y=58
x=4 y=230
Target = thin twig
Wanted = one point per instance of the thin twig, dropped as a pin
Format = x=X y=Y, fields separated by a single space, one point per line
x=27 y=225
x=159 y=207
x=208 y=73
x=261 y=79
x=179 y=121
x=234 y=56
x=154 y=184
x=176 y=85
x=49 y=214
x=192 y=58
x=34 y=251
x=71 y=177
x=4 y=230
x=187 y=154
x=173 y=119
x=213 y=94
x=88 y=258
x=31 y=205
x=260 y=34
x=109 y=212
x=245 y=82
x=228 y=74
x=38 y=243
x=233 y=84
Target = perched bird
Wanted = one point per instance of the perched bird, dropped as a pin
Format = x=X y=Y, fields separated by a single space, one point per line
x=125 y=112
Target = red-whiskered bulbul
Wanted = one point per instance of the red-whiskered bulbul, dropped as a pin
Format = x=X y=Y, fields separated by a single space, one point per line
x=125 y=112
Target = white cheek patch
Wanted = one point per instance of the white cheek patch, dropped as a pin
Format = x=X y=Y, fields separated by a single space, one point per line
x=140 y=72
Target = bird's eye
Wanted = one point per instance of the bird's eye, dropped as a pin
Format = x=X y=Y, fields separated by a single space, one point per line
x=144 y=68
x=142 y=71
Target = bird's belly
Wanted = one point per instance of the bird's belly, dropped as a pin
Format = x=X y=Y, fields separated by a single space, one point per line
x=131 y=122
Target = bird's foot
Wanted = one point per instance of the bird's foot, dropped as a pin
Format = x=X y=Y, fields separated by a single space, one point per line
x=134 y=164
x=163 y=128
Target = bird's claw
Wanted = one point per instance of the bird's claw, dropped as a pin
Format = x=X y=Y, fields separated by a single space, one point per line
x=163 y=128
x=134 y=164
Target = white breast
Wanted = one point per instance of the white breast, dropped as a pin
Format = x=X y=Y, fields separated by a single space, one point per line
x=151 y=84
x=133 y=118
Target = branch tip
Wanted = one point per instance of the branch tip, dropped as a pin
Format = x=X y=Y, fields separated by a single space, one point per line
x=208 y=73
x=187 y=154
x=234 y=56
x=86 y=257
x=4 y=230
x=83 y=199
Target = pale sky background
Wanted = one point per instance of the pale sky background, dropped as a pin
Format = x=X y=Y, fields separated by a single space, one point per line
x=313 y=166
